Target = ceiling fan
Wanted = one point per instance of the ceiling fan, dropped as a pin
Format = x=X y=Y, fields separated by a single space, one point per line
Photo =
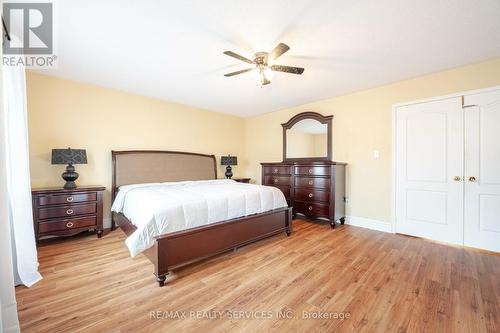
x=263 y=64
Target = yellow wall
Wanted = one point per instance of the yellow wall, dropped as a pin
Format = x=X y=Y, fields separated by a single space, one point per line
x=64 y=113
x=362 y=123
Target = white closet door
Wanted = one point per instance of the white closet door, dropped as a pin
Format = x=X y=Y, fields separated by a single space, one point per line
x=429 y=155
x=482 y=161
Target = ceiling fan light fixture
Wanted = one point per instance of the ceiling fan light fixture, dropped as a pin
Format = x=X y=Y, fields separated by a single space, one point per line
x=263 y=75
x=263 y=71
x=268 y=73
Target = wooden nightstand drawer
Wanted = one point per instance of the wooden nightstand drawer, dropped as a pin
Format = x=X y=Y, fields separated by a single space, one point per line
x=242 y=180
x=61 y=199
x=66 y=211
x=62 y=212
x=66 y=224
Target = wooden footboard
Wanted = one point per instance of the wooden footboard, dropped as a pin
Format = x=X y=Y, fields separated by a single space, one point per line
x=183 y=247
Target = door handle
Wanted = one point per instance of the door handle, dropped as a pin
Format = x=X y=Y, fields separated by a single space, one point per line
x=472 y=179
x=457 y=178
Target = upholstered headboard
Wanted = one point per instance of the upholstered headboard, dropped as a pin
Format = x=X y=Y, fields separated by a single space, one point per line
x=152 y=166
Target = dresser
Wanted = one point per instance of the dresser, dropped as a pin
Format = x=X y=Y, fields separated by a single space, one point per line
x=315 y=189
x=60 y=212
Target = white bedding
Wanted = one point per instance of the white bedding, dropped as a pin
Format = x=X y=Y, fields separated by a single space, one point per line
x=160 y=208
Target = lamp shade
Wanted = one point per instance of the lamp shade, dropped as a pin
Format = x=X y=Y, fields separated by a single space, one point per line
x=229 y=160
x=69 y=156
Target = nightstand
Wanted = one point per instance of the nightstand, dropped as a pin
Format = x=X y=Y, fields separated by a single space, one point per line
x=60 y=212
x=242 y=180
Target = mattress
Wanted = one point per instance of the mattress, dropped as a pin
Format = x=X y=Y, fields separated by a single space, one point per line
x=159 y=208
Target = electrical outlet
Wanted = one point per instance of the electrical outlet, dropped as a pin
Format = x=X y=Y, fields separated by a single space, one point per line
x=346 y=200
x=376 y=154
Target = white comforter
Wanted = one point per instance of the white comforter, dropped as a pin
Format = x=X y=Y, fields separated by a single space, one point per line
x=160 y=208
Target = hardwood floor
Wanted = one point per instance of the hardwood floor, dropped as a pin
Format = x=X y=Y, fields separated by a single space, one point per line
x=383 y=282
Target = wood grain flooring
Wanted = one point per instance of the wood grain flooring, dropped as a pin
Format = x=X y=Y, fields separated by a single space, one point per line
x=376 y=282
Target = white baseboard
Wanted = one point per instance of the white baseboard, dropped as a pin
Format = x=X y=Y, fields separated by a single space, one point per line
x=369 y=223
x=106 y=223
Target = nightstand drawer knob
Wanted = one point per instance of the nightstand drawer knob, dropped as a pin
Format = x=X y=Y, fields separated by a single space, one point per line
x=311 y=182
x=310 y=195
x=310 y=171
x=69 y=199
x=276 y=180
x=69 y=224
x=69 y=211
x=310 y=208
x=275 y=170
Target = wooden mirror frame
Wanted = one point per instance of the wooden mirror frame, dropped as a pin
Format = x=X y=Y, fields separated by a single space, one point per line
x=309 y=115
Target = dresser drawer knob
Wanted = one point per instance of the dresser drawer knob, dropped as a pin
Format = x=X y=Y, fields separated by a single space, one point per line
x=69 y=199
x=310 y=171
x=69 y=211
x=275 y=170
x=310 y=207
x=310 y=195
x=69 y=224
x=276 y=180
x=311 y=182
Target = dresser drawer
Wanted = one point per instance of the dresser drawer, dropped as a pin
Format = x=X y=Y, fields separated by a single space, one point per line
x=66 y=211
x=66 y=224
x=276 y=170
x=312 y=182
x=61 y=199
x=284 y=189
x=310 y=195
x=312 y=209
x=277 y=180
x=312 y=170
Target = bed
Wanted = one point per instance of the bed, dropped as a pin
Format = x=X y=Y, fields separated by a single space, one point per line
x=167 y=170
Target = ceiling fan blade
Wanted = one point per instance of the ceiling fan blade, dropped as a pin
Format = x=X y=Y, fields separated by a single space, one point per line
x=239 y=72
x=237 y=56
x=287 y=69
x=278 y=51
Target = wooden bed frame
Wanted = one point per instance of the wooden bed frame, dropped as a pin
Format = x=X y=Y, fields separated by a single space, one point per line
x=180 y=248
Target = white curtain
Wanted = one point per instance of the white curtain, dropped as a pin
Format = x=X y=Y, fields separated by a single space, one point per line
x=16 y=157
x=8 y=307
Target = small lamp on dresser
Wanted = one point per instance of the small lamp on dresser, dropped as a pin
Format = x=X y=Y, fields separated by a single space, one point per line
x=229 y=161
x=69 y=156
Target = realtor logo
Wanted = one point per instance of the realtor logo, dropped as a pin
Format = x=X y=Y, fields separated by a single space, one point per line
x=31 y=24
x=28 y=35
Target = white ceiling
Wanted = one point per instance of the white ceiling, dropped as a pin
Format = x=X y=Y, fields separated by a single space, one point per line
x=172 y=50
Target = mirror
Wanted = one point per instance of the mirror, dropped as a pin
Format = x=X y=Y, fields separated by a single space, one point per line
x=307 y=136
